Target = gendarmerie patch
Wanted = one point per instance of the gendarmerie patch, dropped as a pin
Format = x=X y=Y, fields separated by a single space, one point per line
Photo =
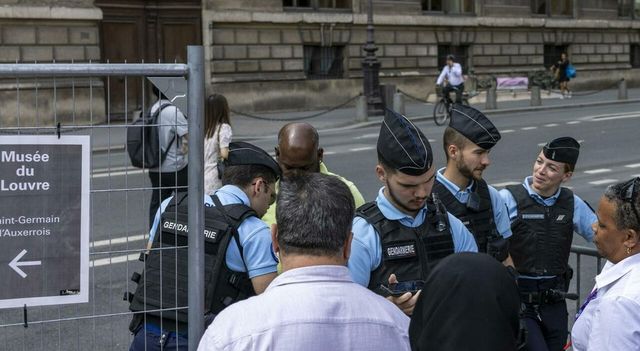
x=183 y=229
x=526 y=216
x=399 y=250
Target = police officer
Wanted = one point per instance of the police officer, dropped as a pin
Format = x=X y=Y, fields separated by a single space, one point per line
x=403 y=233
x=467 y=142
x=238 y=257
x=544 y=216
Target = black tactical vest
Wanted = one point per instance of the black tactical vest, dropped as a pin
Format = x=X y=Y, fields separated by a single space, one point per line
x=163 y=284
x=542 y=235
x=409 y=253
x=479 y=220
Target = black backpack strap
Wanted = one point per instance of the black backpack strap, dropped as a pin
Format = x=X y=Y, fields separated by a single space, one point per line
x=239 y=214
x=154 y=119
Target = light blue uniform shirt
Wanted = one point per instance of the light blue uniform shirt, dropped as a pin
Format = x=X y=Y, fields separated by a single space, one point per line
x=500 y=213
x=366 y=249
x=583 y=215
x=254 y=235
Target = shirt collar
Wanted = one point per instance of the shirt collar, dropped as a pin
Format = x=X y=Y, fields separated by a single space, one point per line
x=612 y=272
x=390 y=212
x=450 y=185
x=547 y=201
x=234 y=191
x=312 y=274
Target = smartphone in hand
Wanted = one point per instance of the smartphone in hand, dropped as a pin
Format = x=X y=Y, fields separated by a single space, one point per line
x=401 y=288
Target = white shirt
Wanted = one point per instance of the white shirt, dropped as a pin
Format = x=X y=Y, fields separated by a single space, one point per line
x=611 y=321
x=314 y=308
x=453 y=74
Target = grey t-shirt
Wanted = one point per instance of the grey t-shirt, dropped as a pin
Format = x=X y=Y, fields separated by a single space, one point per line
x=171 y=124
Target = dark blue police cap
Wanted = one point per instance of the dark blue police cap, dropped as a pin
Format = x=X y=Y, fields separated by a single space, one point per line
x=563 y=149
x=402 y=146
x=474 y=125
x=242 y=153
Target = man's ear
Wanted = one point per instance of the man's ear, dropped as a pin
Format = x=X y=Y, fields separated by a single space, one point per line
x=452 y=151
x=320 y=153
x=277 y=150
x=381 y=173
x=346 y=251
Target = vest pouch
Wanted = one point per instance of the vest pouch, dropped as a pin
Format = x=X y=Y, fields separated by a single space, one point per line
x=498 y=248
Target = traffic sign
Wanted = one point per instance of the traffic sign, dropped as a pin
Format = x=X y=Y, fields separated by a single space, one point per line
x=44 y=220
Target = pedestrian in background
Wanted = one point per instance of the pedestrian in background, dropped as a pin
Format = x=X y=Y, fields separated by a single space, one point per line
x=469 y=302
x=560 y=70
x=544 y=216
x=217 y=134
x=172 y=174
x=609 y=319
x=313 y=305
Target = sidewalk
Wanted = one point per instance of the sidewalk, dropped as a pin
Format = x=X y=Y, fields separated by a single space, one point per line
x=246 y=128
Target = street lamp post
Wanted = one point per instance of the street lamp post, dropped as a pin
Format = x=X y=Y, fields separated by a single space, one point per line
x=371 y=68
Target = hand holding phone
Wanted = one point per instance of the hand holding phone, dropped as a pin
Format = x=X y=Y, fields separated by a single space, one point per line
x=400 y=288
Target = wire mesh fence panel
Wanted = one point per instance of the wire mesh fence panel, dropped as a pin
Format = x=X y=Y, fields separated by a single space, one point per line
x=75 y=100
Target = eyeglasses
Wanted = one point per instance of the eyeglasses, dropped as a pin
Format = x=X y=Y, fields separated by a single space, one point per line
x=629 y=192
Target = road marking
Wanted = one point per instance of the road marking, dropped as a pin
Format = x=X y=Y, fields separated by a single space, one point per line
x=633 y=165
x=115 y=174
x=367 y=136
x=329 y=153
x=573 y=122
x=503 y=184
x=603 y=181
x=121 y=240
x=613 y=117
x=507 y=131
x=111 y=260
x=432 y=140
x=365 y=148
x=598 y=171
x=528 y=128
x=551 y=125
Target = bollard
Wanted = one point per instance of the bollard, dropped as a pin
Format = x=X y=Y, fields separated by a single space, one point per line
x=622 y=89
x=535 y=96
x=398 y=103
x=492 y=99
x=361 y=109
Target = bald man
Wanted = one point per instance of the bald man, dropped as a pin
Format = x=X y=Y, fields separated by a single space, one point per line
x=299 y=151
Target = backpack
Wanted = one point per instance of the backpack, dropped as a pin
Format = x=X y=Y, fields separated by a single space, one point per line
x=143 y=141
x=571 y=71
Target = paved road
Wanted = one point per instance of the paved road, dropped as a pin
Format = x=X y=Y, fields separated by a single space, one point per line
x=120 y=200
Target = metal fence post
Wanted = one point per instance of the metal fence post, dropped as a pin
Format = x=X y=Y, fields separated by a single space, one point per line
x=535 y=96
x=195 y=60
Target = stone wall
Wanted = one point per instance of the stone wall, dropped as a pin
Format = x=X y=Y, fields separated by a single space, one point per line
x=44 y=32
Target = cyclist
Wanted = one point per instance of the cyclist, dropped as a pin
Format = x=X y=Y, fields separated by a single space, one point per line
x=451 y=79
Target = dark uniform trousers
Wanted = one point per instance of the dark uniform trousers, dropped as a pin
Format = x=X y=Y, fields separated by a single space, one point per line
x=546 y=322
x=152 y=338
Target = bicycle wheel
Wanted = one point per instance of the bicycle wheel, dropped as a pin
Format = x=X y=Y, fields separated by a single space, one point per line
x=440 y=115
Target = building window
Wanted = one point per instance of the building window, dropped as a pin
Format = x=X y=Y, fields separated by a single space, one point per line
x=552 y=7
x=629 y=8
x=552 y=54
x=449 y=7
x=317 y=4
x=432 y=5
x=634 y=55
x=323 y=62
x=460 y=52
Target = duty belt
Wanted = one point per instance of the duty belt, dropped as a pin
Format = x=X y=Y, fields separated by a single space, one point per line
x=546 y=297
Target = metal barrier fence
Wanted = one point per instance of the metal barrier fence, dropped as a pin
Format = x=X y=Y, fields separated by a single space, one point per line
x=67 y=99
x=580 y=251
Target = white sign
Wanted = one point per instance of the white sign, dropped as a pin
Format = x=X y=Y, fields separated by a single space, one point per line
x=44 y=220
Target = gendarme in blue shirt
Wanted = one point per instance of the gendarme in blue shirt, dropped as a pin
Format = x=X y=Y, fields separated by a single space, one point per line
x=255 y=237
x=500 y=213
x=583 y=215
x=366 y=249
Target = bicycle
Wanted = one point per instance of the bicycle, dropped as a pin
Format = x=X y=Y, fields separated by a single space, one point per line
x=442 y=109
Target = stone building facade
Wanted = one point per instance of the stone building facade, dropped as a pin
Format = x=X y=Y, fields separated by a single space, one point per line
x=260 y=51
x=267 y=55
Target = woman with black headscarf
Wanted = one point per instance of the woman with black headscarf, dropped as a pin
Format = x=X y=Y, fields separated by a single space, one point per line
x=469 y=302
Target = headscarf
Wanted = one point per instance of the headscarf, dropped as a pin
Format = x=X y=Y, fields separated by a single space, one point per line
x=469 y=302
